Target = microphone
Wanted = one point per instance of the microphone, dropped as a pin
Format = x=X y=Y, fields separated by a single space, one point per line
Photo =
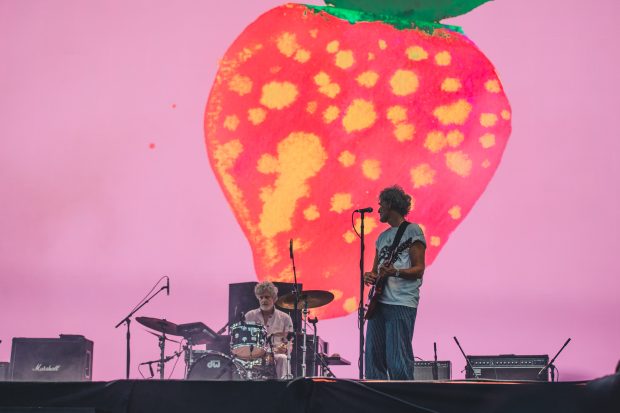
x=290 y=248
x=435 y=349
x=167 y=285
x=364 y=210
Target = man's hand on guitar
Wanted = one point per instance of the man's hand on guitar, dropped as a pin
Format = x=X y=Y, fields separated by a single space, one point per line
x=387 y=270
x=370 y=278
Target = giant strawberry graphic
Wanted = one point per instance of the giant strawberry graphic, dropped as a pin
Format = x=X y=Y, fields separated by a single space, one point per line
x=315 y=109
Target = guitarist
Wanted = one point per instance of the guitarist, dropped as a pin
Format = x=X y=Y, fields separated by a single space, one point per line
x=389 y=354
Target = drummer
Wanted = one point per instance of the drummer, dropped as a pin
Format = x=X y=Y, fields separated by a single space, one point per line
x=276 y=322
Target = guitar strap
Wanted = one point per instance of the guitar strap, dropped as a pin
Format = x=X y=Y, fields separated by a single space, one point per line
x=399 y=235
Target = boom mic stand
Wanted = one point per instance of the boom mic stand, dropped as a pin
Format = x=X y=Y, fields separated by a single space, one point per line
x=476 y=375
x=127 y=320
x=360 y=310
x=550 y=364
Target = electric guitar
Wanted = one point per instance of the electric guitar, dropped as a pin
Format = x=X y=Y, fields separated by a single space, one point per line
x=377 y=289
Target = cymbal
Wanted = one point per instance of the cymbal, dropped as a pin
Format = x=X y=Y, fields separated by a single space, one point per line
x=313 y=298
x=161 y=325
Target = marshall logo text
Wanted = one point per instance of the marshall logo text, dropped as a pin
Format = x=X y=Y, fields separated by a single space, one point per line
x=46 y=367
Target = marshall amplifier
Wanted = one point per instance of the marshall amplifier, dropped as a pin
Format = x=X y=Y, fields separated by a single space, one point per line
x=68 y=358
x=4 y=370
x=507 y=367
x=429 y=370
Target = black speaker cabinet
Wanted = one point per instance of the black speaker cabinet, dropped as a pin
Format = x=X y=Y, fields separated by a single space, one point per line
x=428 y=370
x=68 y=358
x=322 y=347
x=4 y=370
x=241 y=298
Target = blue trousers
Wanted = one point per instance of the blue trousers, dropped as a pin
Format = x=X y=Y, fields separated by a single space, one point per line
x=389 y=354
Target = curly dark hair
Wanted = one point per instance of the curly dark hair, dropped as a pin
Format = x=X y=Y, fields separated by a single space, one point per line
x=397 y=199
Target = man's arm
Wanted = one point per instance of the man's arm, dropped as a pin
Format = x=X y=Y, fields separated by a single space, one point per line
x=416 y=271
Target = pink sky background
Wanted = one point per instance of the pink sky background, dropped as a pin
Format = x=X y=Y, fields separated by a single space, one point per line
x=91 y=216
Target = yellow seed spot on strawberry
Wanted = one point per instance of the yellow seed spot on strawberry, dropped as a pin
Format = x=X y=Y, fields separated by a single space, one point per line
x=360 y=115
x=505 y=114
x=443 y=58
x=274 y=69
x=455 y=212
x=486 y=163
x=435 y=241
x=404 y=82
x=330 y=90
x=382 y=44
x=346 y=158
x=311 y=107
x=300 y=157
x=492 y=86
x=333 y=46
x=345 y=59
x=371 y=56
x=435 y=141
x=314 y=33
x=225 y=157
x=397 y=114
x=368 y=78
x=450 y=84
x=267 y=164
x=416 y=53
x=242 y=85
x=302 y=55
x=231 y=122
x=257 y=115
x=337 y=294
x=422 y=175
x=287 y=44
x=350 y=304
x=331 y=114
x=455 y=138
x=312 y=213
x=459 y=163
x=322 y=79
x=349 y=236
x=487 y=140
x=488 y=119
x=454 y=114
x=371 y=168
x=341 y=202
x=369 y=225
x=226 y=154
x=278 y=95
x=404 y=132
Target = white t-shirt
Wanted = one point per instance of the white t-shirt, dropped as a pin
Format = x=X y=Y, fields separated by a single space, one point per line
x=399 y=291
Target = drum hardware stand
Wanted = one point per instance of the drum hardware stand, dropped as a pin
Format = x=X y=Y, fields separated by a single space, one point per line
x=305 y=343
x=314 y=322
x=127 y=321
x=295 y=309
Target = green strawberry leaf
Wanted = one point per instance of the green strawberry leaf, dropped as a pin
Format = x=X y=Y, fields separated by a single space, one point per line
x=425 y=10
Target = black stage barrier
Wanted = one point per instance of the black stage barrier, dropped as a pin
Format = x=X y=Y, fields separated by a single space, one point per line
x=318 y=395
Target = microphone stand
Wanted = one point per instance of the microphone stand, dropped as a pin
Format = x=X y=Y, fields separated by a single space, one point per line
x=360 y=310
x=127 y=320
x=550 y=364
x=295 y=307
x=476 y=375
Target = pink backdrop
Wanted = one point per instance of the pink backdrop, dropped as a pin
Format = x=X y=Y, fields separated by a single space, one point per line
x=106 y=186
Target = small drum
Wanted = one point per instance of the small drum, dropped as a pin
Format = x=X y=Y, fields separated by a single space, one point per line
x=216 y=366
x=248 y=340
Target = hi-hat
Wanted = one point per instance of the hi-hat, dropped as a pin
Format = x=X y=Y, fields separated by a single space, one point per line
x=309 y=299
x=161 y=325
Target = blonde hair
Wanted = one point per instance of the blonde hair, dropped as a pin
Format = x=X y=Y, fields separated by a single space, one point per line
x=266 y=287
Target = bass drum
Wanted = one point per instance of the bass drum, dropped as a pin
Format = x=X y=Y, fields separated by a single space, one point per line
x=215 y=366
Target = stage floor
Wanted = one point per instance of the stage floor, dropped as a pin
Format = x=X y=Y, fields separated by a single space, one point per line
x=310 y=396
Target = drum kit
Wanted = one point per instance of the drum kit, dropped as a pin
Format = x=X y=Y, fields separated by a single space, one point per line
x=245 y=353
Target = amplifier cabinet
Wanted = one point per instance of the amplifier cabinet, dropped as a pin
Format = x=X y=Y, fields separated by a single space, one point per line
x=508 y=367
x=322 y=347
x=4 y=371
x=68 y=358
x=423 y=370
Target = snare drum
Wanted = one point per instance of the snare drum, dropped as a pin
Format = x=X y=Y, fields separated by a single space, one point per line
x=248 y=340
x=216 y=366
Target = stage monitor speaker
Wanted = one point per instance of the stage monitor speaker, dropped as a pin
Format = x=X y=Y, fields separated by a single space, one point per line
x=241 y=298
x=507 y=367
x=68 y=358
x=429 y=370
